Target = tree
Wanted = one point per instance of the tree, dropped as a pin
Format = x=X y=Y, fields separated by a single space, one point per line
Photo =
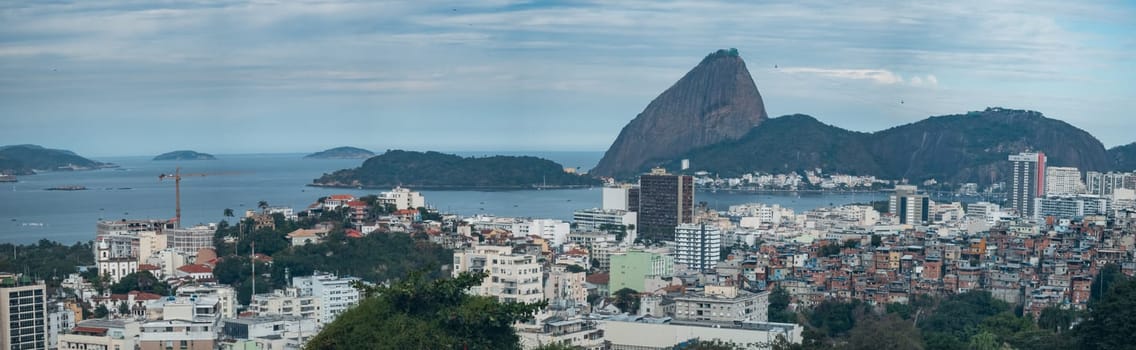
x=262 y=205
x=1111 y=320
x=1109 y=275
x=418 y=313
x=228 y=212
x=876 y=240
x=101 y=311
x=627 y=300
x=141 y=281
x=779 y=306
x=887 y=332
x=123 y=308
x=1056 y=319
x=984 y=341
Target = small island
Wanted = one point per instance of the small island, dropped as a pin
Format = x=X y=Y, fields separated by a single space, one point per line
x=30 y=159
x=185 y=155
x=342 y=153
x=434 y=170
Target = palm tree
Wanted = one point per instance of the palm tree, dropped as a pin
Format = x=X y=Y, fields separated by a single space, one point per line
x=228 y=212
x=262 y=204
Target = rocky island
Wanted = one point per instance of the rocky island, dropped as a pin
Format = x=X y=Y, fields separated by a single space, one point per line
x=341 y=153
x=434 y=170
x=185 y=155
x=29 y=159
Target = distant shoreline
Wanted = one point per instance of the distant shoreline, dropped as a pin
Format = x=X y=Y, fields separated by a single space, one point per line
x=459 y=188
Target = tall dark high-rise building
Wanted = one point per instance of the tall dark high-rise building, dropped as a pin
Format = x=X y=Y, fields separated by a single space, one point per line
x=665 y=201
x=1027 y=181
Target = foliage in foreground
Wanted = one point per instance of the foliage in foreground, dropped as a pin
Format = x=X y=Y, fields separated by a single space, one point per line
x=418 y=313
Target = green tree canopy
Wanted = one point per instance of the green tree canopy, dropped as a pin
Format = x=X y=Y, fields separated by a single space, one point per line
x=1111 y=322
x=141 y=281
x=419 y=313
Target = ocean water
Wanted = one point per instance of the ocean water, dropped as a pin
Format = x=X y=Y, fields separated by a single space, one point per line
x=29 y=213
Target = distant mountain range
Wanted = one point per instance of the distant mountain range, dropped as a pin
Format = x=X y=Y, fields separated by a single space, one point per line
x=970 y=147
x=433 y=170
x=731 y=136
x=185 y=155
x=341 y=153
x=29 y=159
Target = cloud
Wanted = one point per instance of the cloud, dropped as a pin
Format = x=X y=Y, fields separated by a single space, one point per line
x=878 y=76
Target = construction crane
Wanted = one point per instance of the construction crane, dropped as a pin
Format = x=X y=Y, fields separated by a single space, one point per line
x=177 y=175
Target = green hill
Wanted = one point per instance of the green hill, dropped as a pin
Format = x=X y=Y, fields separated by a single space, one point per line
x=341 y=153
x=439 y=170
x=28 y=159
x=185 y=155
x=971 y=147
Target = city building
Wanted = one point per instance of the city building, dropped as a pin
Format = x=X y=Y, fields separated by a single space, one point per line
x=288 y=301
x=1027 y=181
x=113 y=265
x=1063 y=181
x=631 y=269
x=618 y=197
x=189 y=240
x=600 y=219
x=1104 y=184
x=665 y=201
x=565 y=286
x=722 y=304
x=1069 y=207
x=513 y=277
x=910 y=206
x=226 y=296
x=269 y=332
x=551 y=230
x=180 y=323
x=23 y=307
x=99 y=334
x=640 y=334
x=403 y=198
x=698 y=246
x=336 y=294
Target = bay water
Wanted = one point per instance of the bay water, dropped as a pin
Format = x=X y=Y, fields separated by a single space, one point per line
x=29 y=212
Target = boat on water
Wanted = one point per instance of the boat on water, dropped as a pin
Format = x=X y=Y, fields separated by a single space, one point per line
x=67 y=188
x=7 y=178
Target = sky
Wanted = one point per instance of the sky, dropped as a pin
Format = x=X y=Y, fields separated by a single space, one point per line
x=111 y=78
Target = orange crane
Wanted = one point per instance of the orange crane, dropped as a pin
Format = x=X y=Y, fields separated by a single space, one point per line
x=177 y=175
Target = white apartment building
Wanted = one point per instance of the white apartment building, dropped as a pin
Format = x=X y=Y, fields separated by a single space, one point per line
x=512 y=277
x=565 y=286
x=403 y=198
x=698 y=246
x=1063 y=181
x=551 y=230
x=335 y=294
x=226 y=296
x=180 y=323
x=1103 y=184
x=594 y=219
x=723 y=304
x=288 y=302
x=617 y=197
x=188 y=241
